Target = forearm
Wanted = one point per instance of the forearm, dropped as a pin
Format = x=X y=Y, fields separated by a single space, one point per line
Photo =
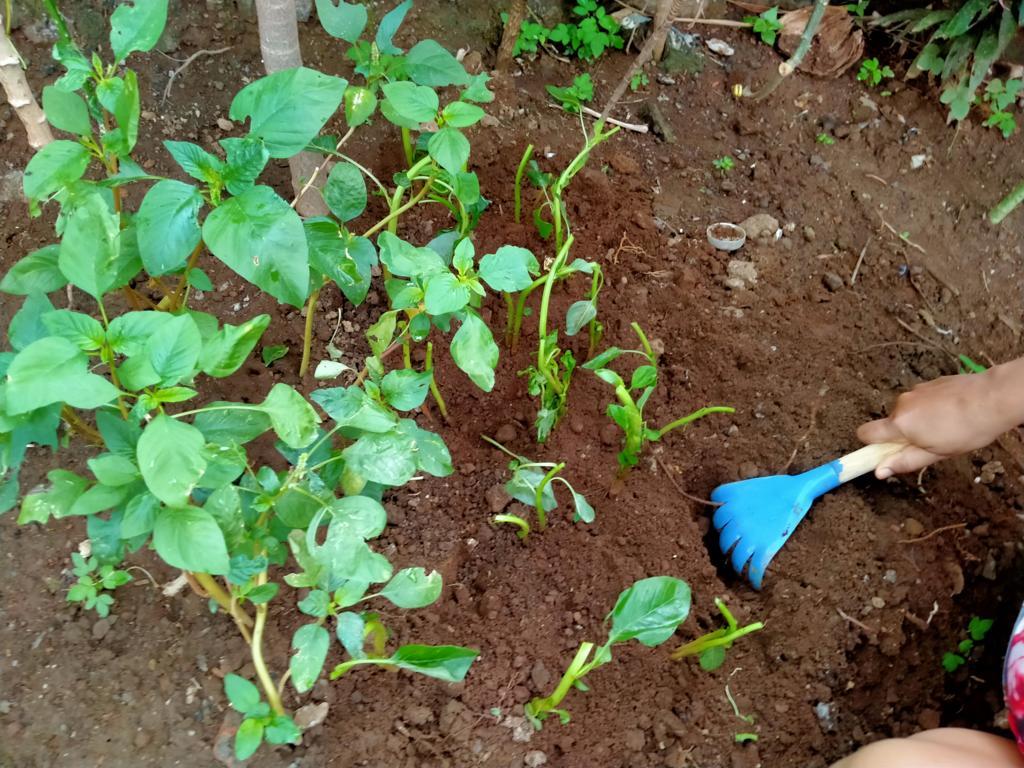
x=1007 y=391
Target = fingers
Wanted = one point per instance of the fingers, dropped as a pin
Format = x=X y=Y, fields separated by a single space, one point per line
x=880 y=431
x=910 y=459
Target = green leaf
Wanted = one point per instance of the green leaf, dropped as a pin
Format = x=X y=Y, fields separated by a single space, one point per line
x=242 y=694
x=261 y=238
x=605 y=358
x=66 y=111
x=282 y=730
x=353 y=407
x=54 y=167
x=523 y=488
x=189 y=538
x=414 y=103
x=248 y=738
x=53 y=370
x=56 y=501
x=351 y=631
x=584 y=511
x=224 y=353
x=477 y=89
x=288 y=108
x=27 y=324
x=643 y=377
x=120 y=436
x=360 y=104
x=140 y=516
x=291 y=416
x=310 y=643
x=712 y=658
x=459 y=114
x=445 y=662
x=406 y=389
x=36 y=273
x=345 y=191
x=199 y=280
x=406 y=260
x=93 y=252
x=196 y=161
x=382 y=458
x=449 y=149
x=475 y=352
x=170 y=457
x=389 y=26
x=225 y=427
x=315 y=604
x=113 y=470
x=346 y=259
x=273 y=353
x=510 y=268
x=444 y=294
x=83 y=331
x=430 y=64
x=344 y=20
x=951 y=662
x=129 y=333
x=246 y=158
x=978 y=628
x=167 y=227
x=579 y=314
x=413 y=588
x=264 y=593
x=121 y=98
x=173 y=350
x=650 y=610
x=431 y=453
x=136 y=27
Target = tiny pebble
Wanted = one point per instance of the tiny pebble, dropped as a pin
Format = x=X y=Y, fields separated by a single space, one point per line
x=832 y=281
x=506 y=433
x=535 y=759
x=225 y=125
x=878 y=602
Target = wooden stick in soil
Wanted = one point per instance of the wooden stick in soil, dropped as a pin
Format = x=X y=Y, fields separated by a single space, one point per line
x=789 y=66
x=663 y=14
x=516 y=15
x=19 y=95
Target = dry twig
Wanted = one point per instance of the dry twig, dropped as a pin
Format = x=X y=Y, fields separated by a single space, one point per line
x=943 y=529
x=186 y=63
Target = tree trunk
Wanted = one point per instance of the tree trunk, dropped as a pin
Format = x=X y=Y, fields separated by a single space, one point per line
x=279 y=44
x=662 y=20
x=516 y=15
x=12 y=78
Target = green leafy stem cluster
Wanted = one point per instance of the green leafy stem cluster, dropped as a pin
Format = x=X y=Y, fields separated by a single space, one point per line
x=592 y=32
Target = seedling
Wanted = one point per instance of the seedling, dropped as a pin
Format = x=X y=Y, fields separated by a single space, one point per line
x=272 y=353
x=1000 y=97
x=977 y=629
x=967 y=365
x=859 y=8
x=628 y=413
x=724 y=164
x=574 y=96
x=532 y=484
x=591 y=34
x=767 y=25
x=824 y=138
x=872 y=73
x=649 y=611
x=95 y=583
x=639 y=80
x=710 y=648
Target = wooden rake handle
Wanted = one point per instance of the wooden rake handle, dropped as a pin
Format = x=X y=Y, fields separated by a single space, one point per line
x=866 y=459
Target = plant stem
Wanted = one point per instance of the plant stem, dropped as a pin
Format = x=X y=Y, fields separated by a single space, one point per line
x=519 y=181
x=407 y=145
x=718 y=639
x=542 y=322
x=595 y=329
x=698 y=414
x=179 y=294
x=77 y=425
x=634 y=441
x=434 y=390
x=523 y=526
x=503 y=449
x=222 y=598
x=391 y=220
x=1005 y=206
x=307 y=336
x=538 y=498
x=538 y=707
x=266 y=681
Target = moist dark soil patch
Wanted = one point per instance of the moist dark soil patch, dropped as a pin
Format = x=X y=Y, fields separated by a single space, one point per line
x=860 y=605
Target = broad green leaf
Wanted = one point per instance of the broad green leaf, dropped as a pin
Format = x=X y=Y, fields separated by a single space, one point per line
x=140 y=516
x=523 y=488
x=224 y=464
x=291 y=416
x=243 y=696
x=459 y=114
x=358 y=516
x=55 y=501
x=248 y=738
x=196 y=161
x=225 y=427
x=189 y=538
x=273 y=352
x=170 y=456
x=93 y=255
x=315 y=604
x=650 y=610
x=579 y=314
x=381 y=333
x=389 y=26
x=584 y=511
x=282 y=729
x=36 y=273
x=54 y=167
x=608 y=356
x=445 y=662
x=113 y=470
x=83 y=331
x=66 y=111
x=510 y=268
x=120 y=436
x=643 y=377
x=120 y=96
x=350 y=629
x=353 y=407
x=261 y=238
x=53 y=370
x=360 y=104
x=475 y=352
x=477 y=89
x=310 y=643
x=431 y=453
x=136 y=27
x=173 y=350
x=224 y=353
x=346 y=259
x=463 y=256
x=385 y=458
x=430 y=64
x=288 y=108
x=414 y=103
x=342 y=20
x=444 y=294
x=99 y=498
x=608 y=376
x=129 y=333
x=449 y=149
x=167 y=227
x=246 y=158
x=264 y=593
x=406 y=389
x=345 y=191
x=405 y=259
x=27 y=324
x=712 y=658
x=413 y=588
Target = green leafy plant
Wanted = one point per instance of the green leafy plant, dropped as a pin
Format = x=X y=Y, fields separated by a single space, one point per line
x=977 y=629
x=649 y=611
x=574 y=96
x=724 y=164
x=824 y=138
x=1000 y=97
x=272 y=353
x=592 y=32
x=95 y=583
x=260 y=723
x=859 y=8
x=710 y=648
x=872 y=73
x=766 y=24
x=967 y=365
x=532 y=483
x=628 y=412
x=639 y=80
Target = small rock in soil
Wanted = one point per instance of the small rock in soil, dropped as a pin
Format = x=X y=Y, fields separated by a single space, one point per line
x=990 y=471
x=913 y=527
x=311 y=715
x=224 y=741
x=506 y=433
x=664 y=79
x=634 y=739
x=878 y=602
x=418 y=715
x=676 y=757
x=749 y=469
x=10 y=186
x=535 y=759
x=142 y=739
x=832 y=281
x=100 y=629
x=539 y=676
x=809 y=234
x=610 y=434
x=760 y=226
x=623 y=163
x=521 y=729
x=577 y=425
x=225 y=125
x=928 y=719
x=5 y=707
x=497 y=498
x=744 y=271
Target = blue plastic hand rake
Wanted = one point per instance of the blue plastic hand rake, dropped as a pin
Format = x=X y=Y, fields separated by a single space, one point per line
x=757 y=516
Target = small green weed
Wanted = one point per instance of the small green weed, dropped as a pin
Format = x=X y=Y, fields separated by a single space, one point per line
x=639 y=80
x=977 y=629
x=724 y=164
x=95 y=581
x=967 y=365
x=858 y=9
x=1000 y=97
x=591 y=33
x=574 y=96
x=767 y=25
x=872 y=73
x=711 y=648
x=824 y=138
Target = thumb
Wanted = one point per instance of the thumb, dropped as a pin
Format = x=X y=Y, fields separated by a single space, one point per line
x=910 y=459
x=880 y=431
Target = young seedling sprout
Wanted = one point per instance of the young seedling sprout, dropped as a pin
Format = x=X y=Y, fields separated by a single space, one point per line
x=649 y=611
x=711 y=648
x=977 y=629
x=532 y=484
x=724 y=164
x=628 y=412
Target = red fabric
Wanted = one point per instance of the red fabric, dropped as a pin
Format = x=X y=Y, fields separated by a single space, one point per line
x=1013 y=681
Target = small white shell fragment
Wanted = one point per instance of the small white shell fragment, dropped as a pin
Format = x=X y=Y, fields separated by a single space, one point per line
x=916 y=161
x=720 y=47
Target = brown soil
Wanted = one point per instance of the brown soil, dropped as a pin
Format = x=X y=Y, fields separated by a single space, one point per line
x=859 y=606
